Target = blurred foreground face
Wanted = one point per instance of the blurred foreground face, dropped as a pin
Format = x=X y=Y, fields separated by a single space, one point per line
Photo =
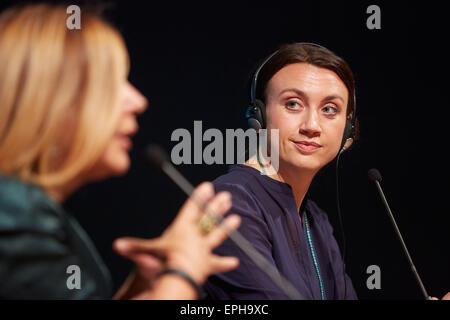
x=67 y=111
x=308 y=105
x=115 y=159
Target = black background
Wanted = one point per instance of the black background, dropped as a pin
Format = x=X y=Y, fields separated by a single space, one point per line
x=193 y=60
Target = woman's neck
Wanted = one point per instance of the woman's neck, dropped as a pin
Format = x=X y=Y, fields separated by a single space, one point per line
x=61 y=193
x=299 y=180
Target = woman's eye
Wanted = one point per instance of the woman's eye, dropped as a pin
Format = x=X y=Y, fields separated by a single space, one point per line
x=293 y=105
x=330 y=110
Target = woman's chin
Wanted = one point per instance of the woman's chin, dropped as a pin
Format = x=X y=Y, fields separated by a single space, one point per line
x=108 y=167
x=306 y=164
x=120 y=166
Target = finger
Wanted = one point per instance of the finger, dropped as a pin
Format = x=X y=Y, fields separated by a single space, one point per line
x=147 y=263
x=220 y=205
x=127 y=246
x=223 y=264
x=446 y=297
x=192 y=207
x=214 y=211
x=219 y=234
x=434 y=298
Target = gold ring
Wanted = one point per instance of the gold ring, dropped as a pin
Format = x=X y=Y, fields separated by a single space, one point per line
x=206 y=223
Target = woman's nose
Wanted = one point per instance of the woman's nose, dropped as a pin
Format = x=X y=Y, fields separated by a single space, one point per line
x=141 y=102
x=310 y=125
x=135 y=101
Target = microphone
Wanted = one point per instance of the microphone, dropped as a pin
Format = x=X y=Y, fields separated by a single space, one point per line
x=375 y=176
x=159 y=160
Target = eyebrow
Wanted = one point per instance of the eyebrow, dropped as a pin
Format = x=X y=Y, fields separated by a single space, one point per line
x=305 y=96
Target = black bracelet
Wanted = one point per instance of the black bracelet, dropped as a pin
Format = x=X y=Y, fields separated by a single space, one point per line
x=185 y=276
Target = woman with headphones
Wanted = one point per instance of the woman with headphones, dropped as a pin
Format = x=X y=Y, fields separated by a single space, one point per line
x=307 y=93
x=67 y=114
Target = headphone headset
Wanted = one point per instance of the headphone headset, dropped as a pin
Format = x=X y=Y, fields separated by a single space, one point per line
x=256 y=112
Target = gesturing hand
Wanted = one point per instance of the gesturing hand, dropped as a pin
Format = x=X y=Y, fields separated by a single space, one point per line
x=182 y=245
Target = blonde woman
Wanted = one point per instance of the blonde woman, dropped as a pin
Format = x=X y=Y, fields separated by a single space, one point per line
x=67 y=114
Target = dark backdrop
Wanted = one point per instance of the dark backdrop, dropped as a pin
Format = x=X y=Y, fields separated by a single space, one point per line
x=193 y=61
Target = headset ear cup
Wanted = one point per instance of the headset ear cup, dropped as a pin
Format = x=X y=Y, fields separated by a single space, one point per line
x=261 y=113
x=252 y=118
x=254 y=124
x=255 y=115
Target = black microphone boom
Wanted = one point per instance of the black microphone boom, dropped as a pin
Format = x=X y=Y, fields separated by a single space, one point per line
x=158 y=158
x=375 y=176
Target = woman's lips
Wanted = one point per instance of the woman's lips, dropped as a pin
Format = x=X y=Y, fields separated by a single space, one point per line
x=125 y=141
x=124 y=137
x=306 y=146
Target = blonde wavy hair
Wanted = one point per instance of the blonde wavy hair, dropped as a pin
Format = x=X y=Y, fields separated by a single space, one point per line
x=59 y=92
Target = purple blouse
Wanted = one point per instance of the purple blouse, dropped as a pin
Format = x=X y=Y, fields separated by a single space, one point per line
x=270 y=221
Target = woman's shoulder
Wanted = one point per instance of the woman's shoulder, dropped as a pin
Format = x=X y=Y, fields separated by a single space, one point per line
x=241 y=183
x=236 y=175
x=26 y=207
x=38 y=242
x=238 y=180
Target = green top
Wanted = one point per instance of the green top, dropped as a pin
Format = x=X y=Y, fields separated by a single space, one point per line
x=38 y=242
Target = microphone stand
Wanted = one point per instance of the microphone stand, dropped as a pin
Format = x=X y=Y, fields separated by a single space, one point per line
x=397 y=231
